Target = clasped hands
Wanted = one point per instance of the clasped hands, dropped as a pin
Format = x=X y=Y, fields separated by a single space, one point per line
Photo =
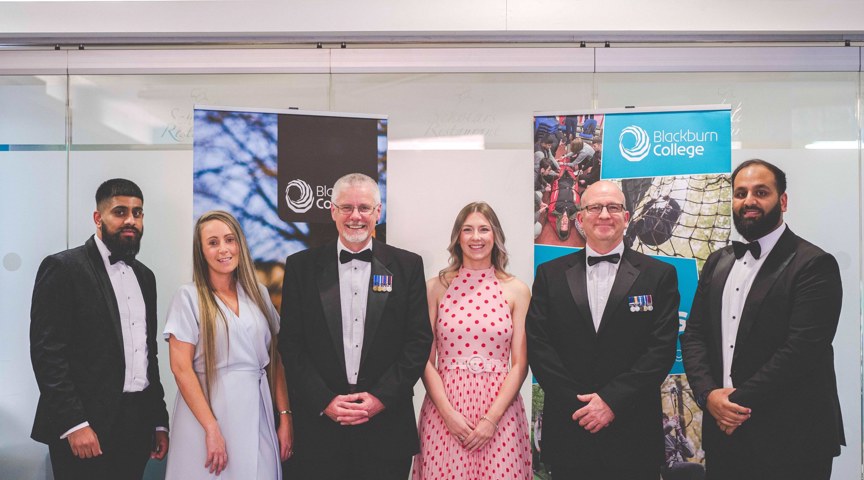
x=354 y=408
x=594 y=416
x=471 y=436
x=728 y=415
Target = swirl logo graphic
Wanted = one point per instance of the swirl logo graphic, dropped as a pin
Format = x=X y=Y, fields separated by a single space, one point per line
x=304 y=202
x=640 y=147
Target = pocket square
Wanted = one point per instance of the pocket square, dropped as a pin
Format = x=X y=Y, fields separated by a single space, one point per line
x=641 y=303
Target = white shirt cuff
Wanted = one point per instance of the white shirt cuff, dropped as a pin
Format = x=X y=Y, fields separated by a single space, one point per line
x=74 y=429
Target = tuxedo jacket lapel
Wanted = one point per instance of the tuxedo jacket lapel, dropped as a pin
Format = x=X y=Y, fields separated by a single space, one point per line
x=779 y=258
x=105 y=289
x=376 y=300
x=331 y=302
x=627 y=273
x=578 y=284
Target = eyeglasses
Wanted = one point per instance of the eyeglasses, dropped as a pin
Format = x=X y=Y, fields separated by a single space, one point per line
x=596 y=208
x=361 y=209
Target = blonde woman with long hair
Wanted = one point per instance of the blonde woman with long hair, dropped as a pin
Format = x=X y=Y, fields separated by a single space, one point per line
x=222 y=332
x=473 y=424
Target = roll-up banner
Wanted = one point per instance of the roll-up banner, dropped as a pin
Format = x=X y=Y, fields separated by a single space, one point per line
x=673 y=165
x=274 y=171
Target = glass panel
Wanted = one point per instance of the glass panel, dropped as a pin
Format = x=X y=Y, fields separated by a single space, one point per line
x=33 y=110
x=157 y=109
x=494 y=107
x=769 y=110
x=33 y=221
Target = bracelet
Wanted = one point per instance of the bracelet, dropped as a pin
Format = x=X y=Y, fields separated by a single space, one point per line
x=286 y=412
x=490 y=421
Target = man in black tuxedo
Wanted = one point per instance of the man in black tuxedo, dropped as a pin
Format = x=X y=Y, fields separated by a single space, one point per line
x=355 y=338
x=757 y=347
x=602 y=329
x=93 y=348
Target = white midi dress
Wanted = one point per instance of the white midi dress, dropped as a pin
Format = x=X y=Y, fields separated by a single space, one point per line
x=240 y=396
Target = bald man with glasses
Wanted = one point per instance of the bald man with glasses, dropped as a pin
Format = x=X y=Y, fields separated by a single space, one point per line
x=602 y=329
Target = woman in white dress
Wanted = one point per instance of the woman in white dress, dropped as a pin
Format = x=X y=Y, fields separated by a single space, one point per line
x=221 y=332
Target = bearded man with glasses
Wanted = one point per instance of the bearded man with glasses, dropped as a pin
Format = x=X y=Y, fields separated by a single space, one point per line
x=602 y=330
x=355 y=338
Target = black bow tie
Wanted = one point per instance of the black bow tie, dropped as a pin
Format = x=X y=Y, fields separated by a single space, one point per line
x=741 y=248
x=364 y=256
x=614 y=258
x=127 y=259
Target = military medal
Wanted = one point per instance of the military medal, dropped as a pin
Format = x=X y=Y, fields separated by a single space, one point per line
x=641 y=303
x=382 y=283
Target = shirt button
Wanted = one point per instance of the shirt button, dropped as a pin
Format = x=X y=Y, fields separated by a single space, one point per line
x=737 y=289
x=734 y=317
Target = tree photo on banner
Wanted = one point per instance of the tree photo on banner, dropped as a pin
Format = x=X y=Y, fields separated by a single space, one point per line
x=274 y=171
x=673 y=165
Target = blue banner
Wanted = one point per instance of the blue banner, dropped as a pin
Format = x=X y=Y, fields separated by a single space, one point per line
x=660 y=144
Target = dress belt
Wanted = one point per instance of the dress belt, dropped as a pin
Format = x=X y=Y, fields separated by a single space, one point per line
x=474 y=364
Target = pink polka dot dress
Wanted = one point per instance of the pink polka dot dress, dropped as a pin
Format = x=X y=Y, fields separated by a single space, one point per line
x=473 y=333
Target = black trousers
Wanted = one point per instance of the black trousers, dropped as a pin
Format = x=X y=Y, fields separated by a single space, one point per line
x=124 y=453
x=567 y=470
x=345 y=465
x=753 y=469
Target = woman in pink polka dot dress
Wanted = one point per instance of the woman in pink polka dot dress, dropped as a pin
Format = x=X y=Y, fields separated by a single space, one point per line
x=473 y=424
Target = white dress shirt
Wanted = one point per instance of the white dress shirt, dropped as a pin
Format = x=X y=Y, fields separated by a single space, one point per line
x=600 y=278
x=353 y=293
x=735 y=293
x=133 y=324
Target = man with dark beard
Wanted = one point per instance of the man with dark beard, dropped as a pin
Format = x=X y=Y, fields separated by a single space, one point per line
x=757 y=347
x=93 y=347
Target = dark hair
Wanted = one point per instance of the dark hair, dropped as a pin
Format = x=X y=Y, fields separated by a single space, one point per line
x=117 y=187
x=545 y=163
x=549 y=138
x=779 y=175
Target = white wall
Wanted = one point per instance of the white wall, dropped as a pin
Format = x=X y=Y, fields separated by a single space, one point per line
x=309 y=19
x=420 y=218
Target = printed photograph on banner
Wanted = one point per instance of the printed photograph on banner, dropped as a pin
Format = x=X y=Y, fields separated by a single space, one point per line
x=274 y=172
x=682 y=430
x=687 y=216
x=567 y=157
x=541 y=470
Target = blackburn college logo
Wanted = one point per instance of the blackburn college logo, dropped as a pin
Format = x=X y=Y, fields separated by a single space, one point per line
x=640 y=147
x=304 y=201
